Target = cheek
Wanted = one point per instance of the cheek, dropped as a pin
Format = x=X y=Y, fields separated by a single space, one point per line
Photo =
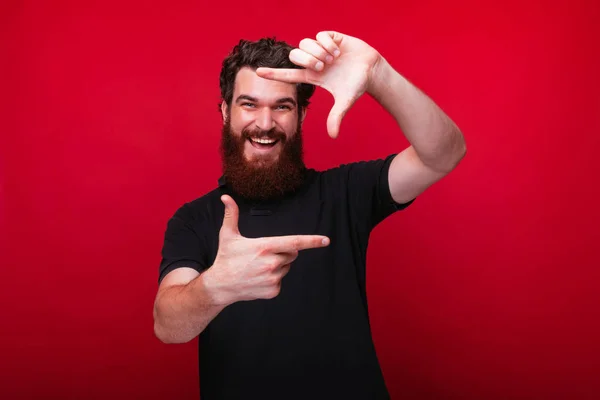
x=240 y=119
x=289 y=124
x=292 y=130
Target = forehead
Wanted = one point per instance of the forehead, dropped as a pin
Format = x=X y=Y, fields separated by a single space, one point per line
x=248 y=83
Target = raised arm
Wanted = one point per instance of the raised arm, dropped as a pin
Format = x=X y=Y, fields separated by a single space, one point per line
x=348 y=67
x=436 y=143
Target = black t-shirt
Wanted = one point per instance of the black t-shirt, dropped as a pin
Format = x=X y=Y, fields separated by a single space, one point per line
x=312 y=341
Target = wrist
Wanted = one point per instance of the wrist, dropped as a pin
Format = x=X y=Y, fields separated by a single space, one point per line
x=384 y=80
x=215 y=288
x=391 y=90
x=377 y=76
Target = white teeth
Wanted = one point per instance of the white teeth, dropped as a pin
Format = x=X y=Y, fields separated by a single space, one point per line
x=263 y=141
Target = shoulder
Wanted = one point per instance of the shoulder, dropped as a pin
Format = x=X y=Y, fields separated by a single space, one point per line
x=200 y=208
x=362 y=169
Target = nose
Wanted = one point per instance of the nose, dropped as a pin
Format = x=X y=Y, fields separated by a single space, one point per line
x=264 y=119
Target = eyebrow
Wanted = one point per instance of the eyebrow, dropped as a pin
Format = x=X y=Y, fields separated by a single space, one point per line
x=255 y=100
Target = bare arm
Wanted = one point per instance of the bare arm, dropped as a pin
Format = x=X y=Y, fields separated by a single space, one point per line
x=184 y=306
x=437 y=144
x=244 y=269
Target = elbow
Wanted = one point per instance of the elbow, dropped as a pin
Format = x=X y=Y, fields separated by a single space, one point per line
x=168 y=336
x=159 y=330
x=160 y=333
x=447 y=163
x=461 y=150
x=164 y=333
x=452 y=155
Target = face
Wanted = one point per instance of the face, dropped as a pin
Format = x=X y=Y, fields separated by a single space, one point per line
x=266 y=112
x=261 y=138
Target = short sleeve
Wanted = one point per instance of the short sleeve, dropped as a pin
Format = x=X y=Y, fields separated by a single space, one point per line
x=369 y=191
x=182 y=246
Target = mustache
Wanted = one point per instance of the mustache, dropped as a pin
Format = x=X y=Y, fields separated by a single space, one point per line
x=272 y=133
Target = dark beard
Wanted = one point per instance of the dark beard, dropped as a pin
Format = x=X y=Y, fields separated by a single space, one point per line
x=262 y=178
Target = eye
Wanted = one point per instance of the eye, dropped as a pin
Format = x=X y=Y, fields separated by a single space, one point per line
x=283 y=107
x=247 y=105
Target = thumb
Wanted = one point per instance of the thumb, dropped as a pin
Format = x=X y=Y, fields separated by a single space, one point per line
x=337 y=113
x=230 y=219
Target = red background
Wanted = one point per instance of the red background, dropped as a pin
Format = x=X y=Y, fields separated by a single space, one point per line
x=486 y=288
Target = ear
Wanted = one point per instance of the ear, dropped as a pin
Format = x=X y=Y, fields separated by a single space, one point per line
x=224 y=111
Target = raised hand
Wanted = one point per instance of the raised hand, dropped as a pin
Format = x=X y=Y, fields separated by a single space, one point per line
x=341 y=64
x=248 y=269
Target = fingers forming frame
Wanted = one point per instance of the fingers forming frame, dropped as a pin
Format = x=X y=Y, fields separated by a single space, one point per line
x=289 y=75
x=330 y=41
x=310 y=54
x=307 y=59
x=315 y=54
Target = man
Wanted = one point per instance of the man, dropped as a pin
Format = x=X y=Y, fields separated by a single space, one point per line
x=268 y=269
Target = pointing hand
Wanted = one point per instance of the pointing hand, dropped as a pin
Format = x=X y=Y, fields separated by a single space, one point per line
x=248 y=269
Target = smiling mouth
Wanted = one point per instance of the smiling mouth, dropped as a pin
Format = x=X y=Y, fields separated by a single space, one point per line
x=263 y=143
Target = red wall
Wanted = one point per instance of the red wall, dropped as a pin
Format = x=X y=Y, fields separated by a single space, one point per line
x=486 y=288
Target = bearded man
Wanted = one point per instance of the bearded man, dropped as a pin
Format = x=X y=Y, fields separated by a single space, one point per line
x=268 y=269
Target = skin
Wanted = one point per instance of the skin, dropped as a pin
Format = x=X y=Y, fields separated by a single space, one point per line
x=347 y=68
x=244 y=269
x=262 y=104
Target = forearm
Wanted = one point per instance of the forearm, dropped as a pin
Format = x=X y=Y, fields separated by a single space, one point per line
x=435 y=138
x=182 y=312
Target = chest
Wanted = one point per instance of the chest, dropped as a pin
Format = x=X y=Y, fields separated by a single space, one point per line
x=303 y=216
x=322 y=286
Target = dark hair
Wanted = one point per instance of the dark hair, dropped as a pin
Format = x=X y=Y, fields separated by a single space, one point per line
x=266 y=52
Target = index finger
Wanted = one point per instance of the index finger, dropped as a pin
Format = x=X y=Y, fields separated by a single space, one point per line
x=289 y=75
x=284 y=244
